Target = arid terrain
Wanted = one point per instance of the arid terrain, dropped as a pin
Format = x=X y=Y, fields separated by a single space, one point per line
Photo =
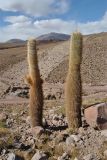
x=53 y=63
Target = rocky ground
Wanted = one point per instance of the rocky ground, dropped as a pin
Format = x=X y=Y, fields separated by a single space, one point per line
x=55 y=141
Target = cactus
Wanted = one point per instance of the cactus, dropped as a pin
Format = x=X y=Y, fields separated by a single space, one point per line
x=73 y=87
x=36 y=93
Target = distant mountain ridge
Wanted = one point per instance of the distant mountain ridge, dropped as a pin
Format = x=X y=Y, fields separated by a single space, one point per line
x=53 y=36
x=15 y=41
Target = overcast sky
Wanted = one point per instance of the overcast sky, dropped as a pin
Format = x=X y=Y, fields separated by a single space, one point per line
x=30 y=18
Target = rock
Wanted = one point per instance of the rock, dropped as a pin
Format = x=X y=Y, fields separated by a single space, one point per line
x=105 y=154
x=4 y=151
x=37 y=131
x=12 y=156
x=75 y=137
x=9 y=122
x=70 y=142
x=96 y=115
x=39 y=156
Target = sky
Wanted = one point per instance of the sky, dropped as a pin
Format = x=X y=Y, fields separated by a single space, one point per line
x=30 y=18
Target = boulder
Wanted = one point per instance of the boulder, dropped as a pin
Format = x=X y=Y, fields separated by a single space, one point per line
x=96 y=116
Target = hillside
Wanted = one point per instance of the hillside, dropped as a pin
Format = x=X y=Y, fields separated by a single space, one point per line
x=55 y=140
x=53 y=63
x=94 y=64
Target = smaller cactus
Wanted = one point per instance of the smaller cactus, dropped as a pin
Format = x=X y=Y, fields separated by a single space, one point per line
x=73 y=88
x=36 y=93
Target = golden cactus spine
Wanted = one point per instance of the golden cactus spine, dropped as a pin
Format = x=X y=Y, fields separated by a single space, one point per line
x=36 y=93
x=73 y=87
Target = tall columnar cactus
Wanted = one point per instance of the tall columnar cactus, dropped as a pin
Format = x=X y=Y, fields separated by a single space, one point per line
x=73 y=88
x=36 y=94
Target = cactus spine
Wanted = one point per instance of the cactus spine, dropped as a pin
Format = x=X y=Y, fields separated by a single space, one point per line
x=36 y=94
x=73 y=88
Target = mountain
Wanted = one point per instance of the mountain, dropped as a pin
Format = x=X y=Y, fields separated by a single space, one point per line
x=15 y=41
x=54 y=37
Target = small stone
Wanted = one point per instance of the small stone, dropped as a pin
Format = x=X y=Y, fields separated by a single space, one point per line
x=75 y=137
x=4 y=151
x=9 y=122
x=12 y=156
x=70 y=142
x=37 y=131
x=39 y=156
